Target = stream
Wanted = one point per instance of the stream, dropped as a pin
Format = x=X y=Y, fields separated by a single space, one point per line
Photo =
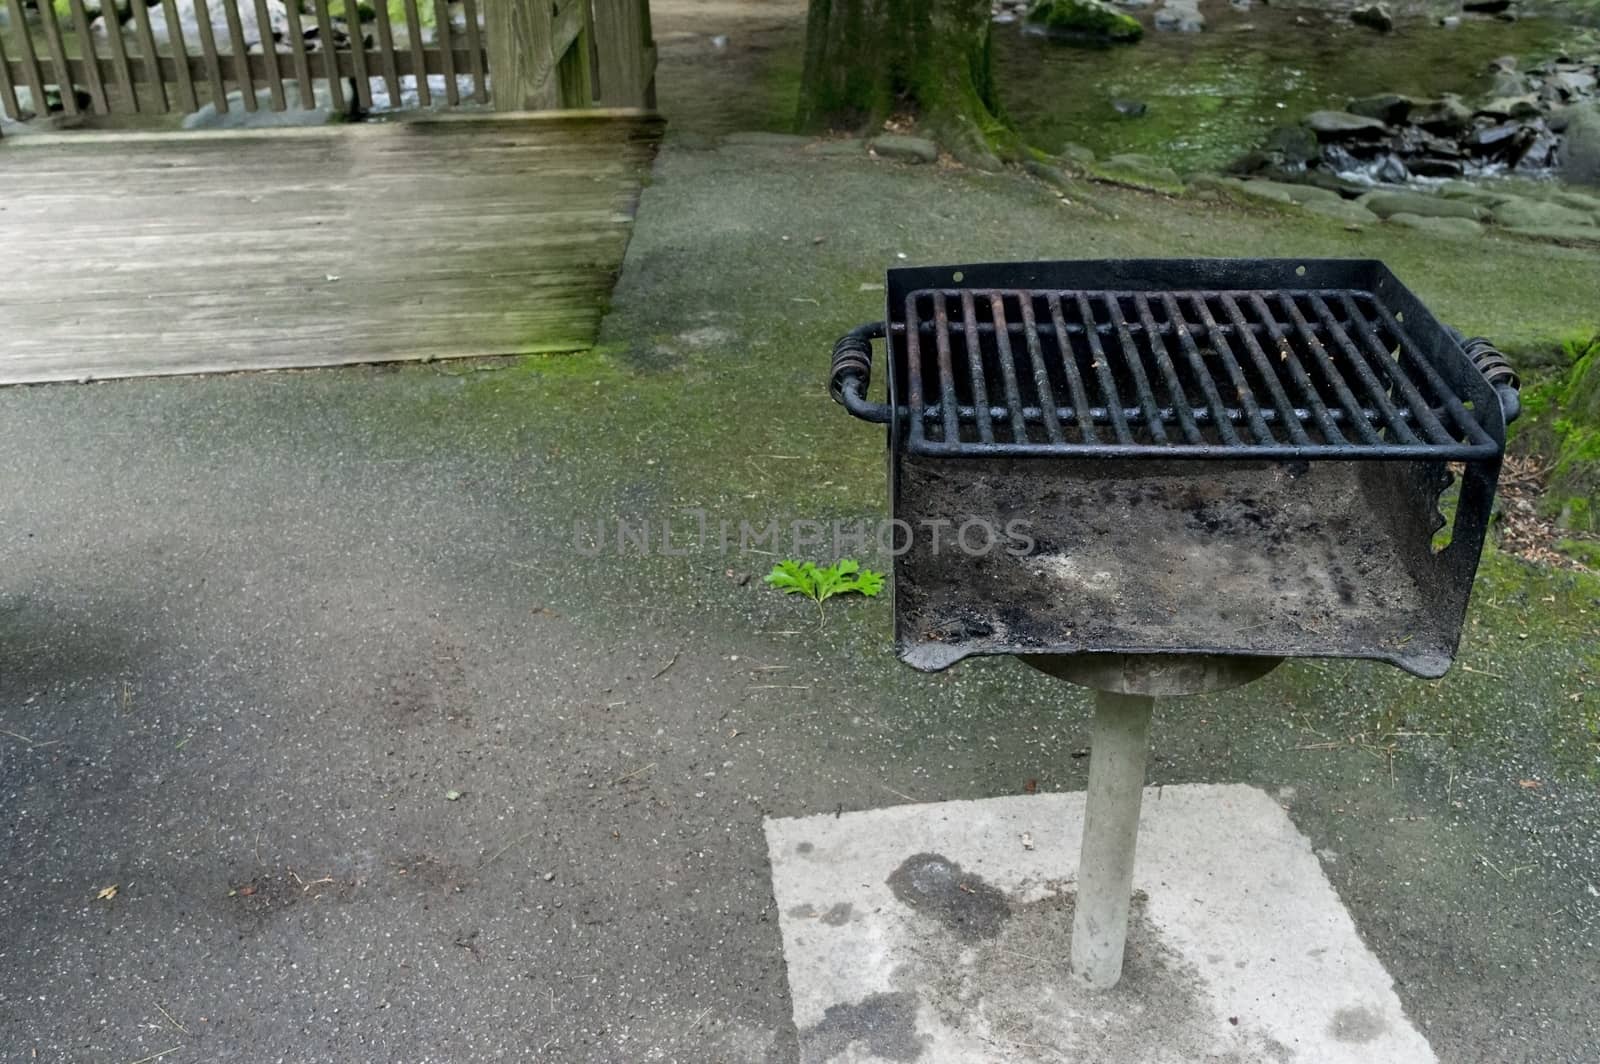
x=1211 y=96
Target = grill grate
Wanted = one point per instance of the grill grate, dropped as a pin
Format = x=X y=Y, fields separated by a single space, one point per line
x=1305 y=372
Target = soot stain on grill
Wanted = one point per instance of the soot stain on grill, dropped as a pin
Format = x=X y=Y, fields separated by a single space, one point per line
x=938 y=887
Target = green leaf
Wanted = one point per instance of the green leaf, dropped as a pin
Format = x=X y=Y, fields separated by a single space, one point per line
x=793 y=578
x=820 y=584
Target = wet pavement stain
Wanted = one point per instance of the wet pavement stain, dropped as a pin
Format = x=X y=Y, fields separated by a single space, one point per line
x=937 y=887
x=884 y=1025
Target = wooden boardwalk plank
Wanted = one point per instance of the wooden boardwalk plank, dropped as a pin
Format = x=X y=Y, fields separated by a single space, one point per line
x=451 y=237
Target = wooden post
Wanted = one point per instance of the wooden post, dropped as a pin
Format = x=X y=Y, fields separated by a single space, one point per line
x=626 y=54
x=575 y=69
x=522 y=70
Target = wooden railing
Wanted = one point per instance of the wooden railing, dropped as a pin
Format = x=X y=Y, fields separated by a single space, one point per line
x=177 y=55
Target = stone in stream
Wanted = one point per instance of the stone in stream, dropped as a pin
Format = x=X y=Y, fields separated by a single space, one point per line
x=1579 y=160
x=1342 y=125
x=1387 y=203
x=1445 y=115
x=1388 y=107
x=1374 y=16
x=1130 y=108
x=1524 y=106
x=1180 y=16
x=1082 y=21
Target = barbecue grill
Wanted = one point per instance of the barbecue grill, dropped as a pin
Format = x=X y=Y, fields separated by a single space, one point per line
x=1160 y=477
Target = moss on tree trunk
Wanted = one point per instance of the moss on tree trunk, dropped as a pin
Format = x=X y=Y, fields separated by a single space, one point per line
x=869 y=59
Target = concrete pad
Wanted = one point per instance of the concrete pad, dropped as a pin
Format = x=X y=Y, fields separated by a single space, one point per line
x=940 y=933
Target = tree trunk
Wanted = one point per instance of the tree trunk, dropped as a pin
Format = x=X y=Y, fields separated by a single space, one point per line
x=869 y=59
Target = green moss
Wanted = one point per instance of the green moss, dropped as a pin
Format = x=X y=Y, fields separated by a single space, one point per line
x=1088 y=21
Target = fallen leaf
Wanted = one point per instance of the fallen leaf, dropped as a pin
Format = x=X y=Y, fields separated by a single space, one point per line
x=247 y=891
x=106 y=893
x=1529 y=785
x=452 y=796
x=1027 y=841
x=1030 y=787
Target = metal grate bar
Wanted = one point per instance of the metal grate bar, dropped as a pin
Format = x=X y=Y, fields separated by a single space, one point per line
x=980 y=390
x=1208 y=383
x=1241 y=384
x=1280 y=398
x=1169 y=372
x=1330 y=375
x=1432 y=427
x=1458 y=413
x=1041 y=372
x=1358 y=359
x=916 y=397
x=947 y=375
x=1141 y=383
x=1008 y=369
x=1097 y=362
x=1296 y=371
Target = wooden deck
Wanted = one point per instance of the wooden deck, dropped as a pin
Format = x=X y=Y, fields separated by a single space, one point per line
x=134 y=254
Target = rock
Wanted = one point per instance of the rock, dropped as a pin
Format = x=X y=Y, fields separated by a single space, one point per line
x=1446 y=115
x=1385 y=204
x=1579 y=159
x=1525 y=106
x=236 y=117
x=1077 y=153
x=1180 y=16
x=1438 y=226
x=1374 y=16
x=1130 y=108
x=1083 y=20
x=905 y=149
x=1141 y=169
x=1387 y=107
x=1485 y=7
x=1294 y=193
x=1519 y=212
x=1451 y=22
x=1578 y=202
x=1502 y=139
x=1295 y=145
x=1436 y=166
x=1342 y=210
x=1508 y=83
x=1342 y=125
x=1391 y=171
x=1466 y=190
x=1575 y=82
x=1576 y=234
x=1050 y=175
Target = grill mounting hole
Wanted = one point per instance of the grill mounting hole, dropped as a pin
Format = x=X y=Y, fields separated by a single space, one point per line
x=958 y=277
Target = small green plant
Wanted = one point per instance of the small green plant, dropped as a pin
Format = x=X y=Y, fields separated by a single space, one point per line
x=820 y=584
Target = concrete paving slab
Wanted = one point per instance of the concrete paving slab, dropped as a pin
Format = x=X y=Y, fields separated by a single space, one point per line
x=939 y=932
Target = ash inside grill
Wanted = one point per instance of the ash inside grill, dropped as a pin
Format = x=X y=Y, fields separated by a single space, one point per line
x=1140 y=557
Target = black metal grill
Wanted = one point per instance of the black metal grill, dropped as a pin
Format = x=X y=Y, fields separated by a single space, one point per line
x=1080 y=398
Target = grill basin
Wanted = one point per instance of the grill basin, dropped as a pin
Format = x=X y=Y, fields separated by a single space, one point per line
x=1210 y=456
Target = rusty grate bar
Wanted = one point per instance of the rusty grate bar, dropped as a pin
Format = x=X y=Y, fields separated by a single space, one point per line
x=1303 y=372
x=1041 y=380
